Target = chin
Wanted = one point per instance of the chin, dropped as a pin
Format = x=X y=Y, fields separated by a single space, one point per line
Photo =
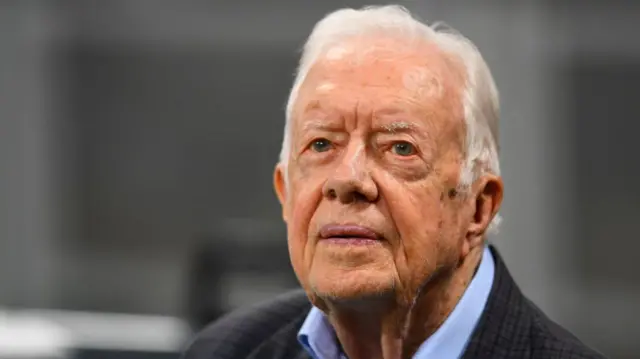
x=351 y=284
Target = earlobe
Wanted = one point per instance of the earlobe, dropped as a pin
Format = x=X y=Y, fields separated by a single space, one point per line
x=489 y=192
x=280 y=187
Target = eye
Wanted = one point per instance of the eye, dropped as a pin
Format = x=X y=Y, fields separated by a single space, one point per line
x=404 y=149
x=321 y=145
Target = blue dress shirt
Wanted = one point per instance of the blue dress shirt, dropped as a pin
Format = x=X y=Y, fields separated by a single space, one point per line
x=448 y=342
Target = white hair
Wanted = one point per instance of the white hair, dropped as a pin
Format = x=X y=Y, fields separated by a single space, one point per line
x=480 y=98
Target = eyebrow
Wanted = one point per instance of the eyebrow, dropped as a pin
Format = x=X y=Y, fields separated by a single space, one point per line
x=319 y=125
x=390 y=128
x=403 y=127
x=398 y=126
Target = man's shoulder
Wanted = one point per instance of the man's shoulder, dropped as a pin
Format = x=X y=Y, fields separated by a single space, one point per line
x=241 y=332
x=512 y=326
x=550 y=340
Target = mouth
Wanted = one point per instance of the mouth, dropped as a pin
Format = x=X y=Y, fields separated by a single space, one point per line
x=349 y=234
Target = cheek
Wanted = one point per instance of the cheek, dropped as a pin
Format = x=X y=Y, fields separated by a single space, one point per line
x=303 y=202
x=420 y=219
x=420 y=215
x=304 y=196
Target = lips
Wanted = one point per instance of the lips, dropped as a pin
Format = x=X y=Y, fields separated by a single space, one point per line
x=348 y=232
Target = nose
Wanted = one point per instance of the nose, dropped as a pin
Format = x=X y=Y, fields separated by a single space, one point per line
x=351 y=181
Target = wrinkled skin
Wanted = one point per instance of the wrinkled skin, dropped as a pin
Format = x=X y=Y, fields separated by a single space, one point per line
x=377 y=141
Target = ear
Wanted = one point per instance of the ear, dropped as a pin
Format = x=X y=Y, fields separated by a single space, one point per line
x=488 y=192
x=279 y=185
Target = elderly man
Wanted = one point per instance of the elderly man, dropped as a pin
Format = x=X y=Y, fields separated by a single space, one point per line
x=389 y=182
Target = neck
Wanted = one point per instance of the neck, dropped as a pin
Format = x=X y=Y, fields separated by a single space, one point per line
x=381 y=328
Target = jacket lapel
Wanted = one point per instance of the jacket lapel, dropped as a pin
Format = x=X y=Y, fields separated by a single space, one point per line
x=503 y=326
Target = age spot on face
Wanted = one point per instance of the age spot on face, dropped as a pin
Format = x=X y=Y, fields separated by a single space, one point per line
x=453 y=193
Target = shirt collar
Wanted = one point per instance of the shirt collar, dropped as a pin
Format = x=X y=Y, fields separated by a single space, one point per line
x=450 y=340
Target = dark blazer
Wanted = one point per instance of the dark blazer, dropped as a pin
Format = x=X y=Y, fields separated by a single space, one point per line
x=511 y=326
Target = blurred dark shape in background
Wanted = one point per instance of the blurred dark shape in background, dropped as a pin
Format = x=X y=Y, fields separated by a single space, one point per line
x=246 y=271
x=139 y=138
x=204 y=292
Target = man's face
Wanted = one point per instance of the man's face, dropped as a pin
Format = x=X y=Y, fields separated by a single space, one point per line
x=376 y=151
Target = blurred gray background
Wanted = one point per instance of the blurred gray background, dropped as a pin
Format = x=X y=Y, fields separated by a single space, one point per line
x=138 y=140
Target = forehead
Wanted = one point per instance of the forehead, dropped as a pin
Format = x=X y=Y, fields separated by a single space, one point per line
x=382 y=74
